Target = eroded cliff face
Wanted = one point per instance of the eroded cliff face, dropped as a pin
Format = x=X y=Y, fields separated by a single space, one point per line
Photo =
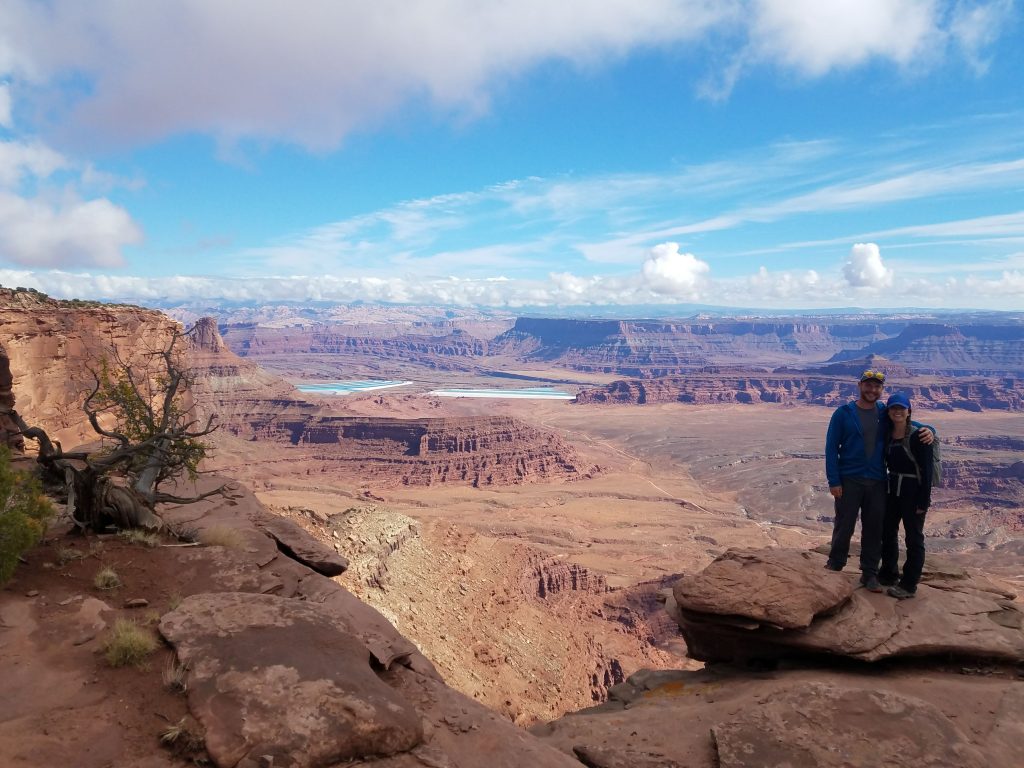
x=976 y=349
x=54 y=345
x=1003 y=393
x=8 y=429
x=648 y=348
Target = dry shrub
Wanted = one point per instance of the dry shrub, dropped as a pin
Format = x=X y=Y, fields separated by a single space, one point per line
x=106 y=578
x=128 y=643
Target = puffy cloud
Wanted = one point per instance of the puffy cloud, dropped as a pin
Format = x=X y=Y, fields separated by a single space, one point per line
x=815 y=37
x=74 y=233
x=669 y=272
x=262 y=69
x=864 y=267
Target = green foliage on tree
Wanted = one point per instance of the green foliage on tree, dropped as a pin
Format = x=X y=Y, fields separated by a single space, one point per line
x=24 y=512
x=150 y=412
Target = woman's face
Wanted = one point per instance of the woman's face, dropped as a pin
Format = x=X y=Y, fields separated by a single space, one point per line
x=897 y=414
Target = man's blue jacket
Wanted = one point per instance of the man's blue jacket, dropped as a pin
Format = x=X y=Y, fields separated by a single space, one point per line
x=844 y=447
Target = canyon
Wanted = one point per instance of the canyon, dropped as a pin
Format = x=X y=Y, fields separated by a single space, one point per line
x=527 y=551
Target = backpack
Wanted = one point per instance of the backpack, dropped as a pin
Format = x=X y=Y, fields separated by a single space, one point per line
x=936 y=453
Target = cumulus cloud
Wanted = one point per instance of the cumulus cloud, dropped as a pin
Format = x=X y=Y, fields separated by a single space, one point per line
x=264 y=70
x=73 y=233
x=668 y=272
x=864 y=267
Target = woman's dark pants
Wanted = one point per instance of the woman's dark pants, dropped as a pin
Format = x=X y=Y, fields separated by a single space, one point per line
x=866 y=496
x=903 y=509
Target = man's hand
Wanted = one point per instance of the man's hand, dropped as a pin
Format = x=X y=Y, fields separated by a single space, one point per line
x=927 y=436
x=837 y=491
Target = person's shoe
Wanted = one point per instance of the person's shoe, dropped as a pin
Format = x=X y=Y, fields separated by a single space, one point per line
x=870 y=583
x=888 y=581
x=829 y=565
x=900 y=593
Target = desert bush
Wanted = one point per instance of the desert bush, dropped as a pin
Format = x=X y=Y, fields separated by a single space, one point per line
x=24 y=512
x=221 y=536
x=128 y=643
x=176 y=676
x=106 y=578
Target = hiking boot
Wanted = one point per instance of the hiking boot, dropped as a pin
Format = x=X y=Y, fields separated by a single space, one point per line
x=829 y=565
x=888 y=581
x=870 y=583
x=900 y=593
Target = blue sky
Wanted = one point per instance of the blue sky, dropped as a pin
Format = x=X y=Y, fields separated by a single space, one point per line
x=753 y=153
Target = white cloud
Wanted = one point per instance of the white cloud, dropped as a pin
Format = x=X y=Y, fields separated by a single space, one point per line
x=267 y=70
x=70 y=233
x=21 y=160
x=669 y=272
x=5 y=106
x=974 y=26
x=864 y=267
x=814 y=37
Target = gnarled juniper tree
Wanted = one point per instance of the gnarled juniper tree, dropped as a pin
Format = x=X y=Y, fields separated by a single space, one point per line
x=149 y=437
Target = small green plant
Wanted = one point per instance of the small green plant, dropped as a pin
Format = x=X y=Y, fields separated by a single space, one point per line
x=221 y=536
x=128 y=643
x=24 y=512
x=140 y=537
x=106 y=578
x=174 y=600
x=176 y=676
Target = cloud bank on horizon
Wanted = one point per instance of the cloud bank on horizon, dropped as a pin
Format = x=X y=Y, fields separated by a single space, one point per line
x=750 y=153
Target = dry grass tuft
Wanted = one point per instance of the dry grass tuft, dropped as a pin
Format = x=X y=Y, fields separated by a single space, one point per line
x=128 y=644
x=180 y=738
x=139 y=537
x=222 y=536
x=106 y=578
x=176 y=676
x=67 y=555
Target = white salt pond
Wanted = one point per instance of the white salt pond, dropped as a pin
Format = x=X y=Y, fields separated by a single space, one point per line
x=532 y=393
x=348 y=387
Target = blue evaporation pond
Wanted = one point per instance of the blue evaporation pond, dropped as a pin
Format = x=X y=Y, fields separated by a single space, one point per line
x=348 y=387
x=532 y=393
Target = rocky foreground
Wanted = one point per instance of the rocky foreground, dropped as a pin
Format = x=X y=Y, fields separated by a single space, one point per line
x=281 y=666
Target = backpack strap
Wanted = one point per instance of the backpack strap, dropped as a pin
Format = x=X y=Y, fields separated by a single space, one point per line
x=906 y=449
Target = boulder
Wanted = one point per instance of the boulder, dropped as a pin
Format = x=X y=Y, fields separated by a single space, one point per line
x=760 y=604
x=284 y=678
x=787 y=589
x=300 y=545
x=832 y=727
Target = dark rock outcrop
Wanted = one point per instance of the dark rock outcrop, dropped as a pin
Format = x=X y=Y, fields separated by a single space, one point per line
x=776 y=603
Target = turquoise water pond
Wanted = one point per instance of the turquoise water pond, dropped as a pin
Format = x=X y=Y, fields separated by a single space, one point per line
x=348 y=387
x=531 y=393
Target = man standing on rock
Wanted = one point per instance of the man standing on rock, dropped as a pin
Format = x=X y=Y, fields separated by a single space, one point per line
x=854 y=465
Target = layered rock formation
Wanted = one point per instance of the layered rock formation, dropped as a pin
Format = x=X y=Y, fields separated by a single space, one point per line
x=1003 y=393
x=251 y=404
x=54 y=345
x=961 y=349
x=649 y=349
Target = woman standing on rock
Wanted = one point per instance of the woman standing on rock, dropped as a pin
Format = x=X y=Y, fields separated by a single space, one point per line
x=909 y=466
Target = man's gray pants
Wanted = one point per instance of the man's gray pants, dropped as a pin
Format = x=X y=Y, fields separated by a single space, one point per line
x=866 y=496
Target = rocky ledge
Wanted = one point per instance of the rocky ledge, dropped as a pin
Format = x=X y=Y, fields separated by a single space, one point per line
x=784 y=622
x=777 y=603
